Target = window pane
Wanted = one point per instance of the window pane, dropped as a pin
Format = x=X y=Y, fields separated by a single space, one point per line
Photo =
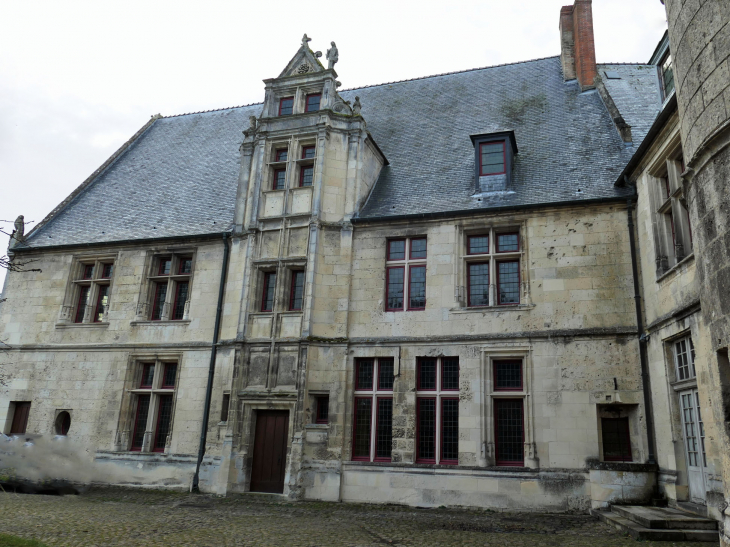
x=417 y=287
x=81 y=306
x=395 y=288
x=164 y=419
x=140 y=421
x=165 y=264
x=313 y=103
x=418 y=248
x=306 y=177
x=361 y=435
x=385 y=374
x=508 y=274
x=449 y=430
x=685 y=367
x=279 y=179
x=692 y=356
x=397 y=249
x=282 y=154
x=88 y=272
x=508 y=375
x=690 y=434
x=308 y=152
x=492 y=158
x=384 y=431
x=426 y=429
x=616 y=445
x=286 y=106
x=508 y=242
x=101 y=302
x=426 y=373
x=297 y=290
x=158 y=303
x=509 y=432
x=323 y=405
x=667 y=75
x=364 y=374
x=450 y=373
x=186 y=266
x=267 y=300
x=479 y=284
x=107 y=270
x=181 y=296
x=478 y=245
x=168 y=379
x=701 y=425
x=148 y=373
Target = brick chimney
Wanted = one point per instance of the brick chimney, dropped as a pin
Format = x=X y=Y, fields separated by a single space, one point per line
x=577 y=51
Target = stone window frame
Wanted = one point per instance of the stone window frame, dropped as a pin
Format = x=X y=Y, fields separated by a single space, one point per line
x=494 y=256
x=77 y=281
x=130 y=401
x=439 y=394
x=407 y=263
x=490 y=354
x=284 y=270
x=672 y=233
x=152 y=277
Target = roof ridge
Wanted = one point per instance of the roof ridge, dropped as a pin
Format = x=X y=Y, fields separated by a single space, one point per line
x=627 y=64
x=211 y=110
x=453 y=72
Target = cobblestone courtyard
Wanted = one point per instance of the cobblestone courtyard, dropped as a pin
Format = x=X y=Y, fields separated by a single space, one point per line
x=130 y=518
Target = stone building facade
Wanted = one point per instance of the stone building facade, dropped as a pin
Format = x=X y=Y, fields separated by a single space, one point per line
x=419 y=292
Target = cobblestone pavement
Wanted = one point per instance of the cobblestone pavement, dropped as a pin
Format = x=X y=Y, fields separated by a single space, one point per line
x=118 y=517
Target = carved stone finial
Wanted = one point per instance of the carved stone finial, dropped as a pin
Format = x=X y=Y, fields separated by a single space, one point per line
x=338 y=83
x=332 y=56
x=18 y=234
x=356 y=107
x=317 y=54
x=306 y=39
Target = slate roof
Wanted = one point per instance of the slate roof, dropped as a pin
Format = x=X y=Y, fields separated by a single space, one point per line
x=180 y=176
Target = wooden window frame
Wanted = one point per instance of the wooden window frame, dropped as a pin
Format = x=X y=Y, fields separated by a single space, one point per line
x=493 y=257
x=264 y=290
x=472 y=236
x=507 y=463
x=292 y=289
x=277 y=155
x=496 y=388
x=90 y=275
x=157 y=390
x=504 y=158
x=274 y=182
x=172 y=280
x=375 y=394
x=519 y=283
x=309 y=147
x=281 y=105
x=411 y=267
x=468 y=284
x=306 y=102
x=438 y=394
x=406 y=264
x=690 y=354
x=496 y=242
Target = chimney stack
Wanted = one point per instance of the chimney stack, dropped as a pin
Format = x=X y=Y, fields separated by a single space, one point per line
x=577 y=50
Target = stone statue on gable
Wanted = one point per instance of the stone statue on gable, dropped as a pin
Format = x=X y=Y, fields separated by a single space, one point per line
x=18 y=233
x=356 y=107
x=332 y=56
x=252 y=128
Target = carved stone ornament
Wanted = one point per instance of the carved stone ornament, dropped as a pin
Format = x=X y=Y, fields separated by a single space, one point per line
x=304 y=68
x=18 y=234
x=356 y=107
x=305 y=39
x=332 y=56
x=252 y=127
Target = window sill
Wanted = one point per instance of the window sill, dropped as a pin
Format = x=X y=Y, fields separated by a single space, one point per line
x=320 y=427
x=493 y=309
x=681 y=385
x=97 y=325
x=671 y=271
x=161 y=322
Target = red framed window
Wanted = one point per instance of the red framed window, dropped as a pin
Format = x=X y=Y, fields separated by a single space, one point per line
x=164 y=419
x=616 y=439
x=418 y=248
x=181 y=296
x=509 y=432
x=267 y=294
x=437 y=410
x=492 y=159
x=306 y=175
x=296 y=293
x=508 y=283
x=322 y=411
x=286 y=106
x=171 y=280
x=165 y=266
x=477 y=283
x=169 y=376
x=158 y=302
x=279 y=179
x=140 y=421
x=312 y=102
x=308 y=152
x=107 y=270
x=478 y=244
x=148 y=375
x=373 y=405
x=282 y=154
x=396 y=249
x=507 y=375
x=102 y=299
x=88 y=271
x=417 y=287
x=508 y=243
x=394 y=278
x=185 y=265
x=405 y=274
x=82 y=303
x=153 y=408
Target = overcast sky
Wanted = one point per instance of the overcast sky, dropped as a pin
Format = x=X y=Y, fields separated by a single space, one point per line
x=78 y=78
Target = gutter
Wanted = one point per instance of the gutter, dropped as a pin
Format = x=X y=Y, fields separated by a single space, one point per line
x=643 y=339
x=468 y=212
x=211 y=367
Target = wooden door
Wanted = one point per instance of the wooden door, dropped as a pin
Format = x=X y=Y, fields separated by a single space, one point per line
x=694 y=444
x=269 y=451
x=20 y=418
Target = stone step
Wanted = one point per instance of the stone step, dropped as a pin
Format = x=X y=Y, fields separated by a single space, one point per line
x=664 y=518
x=639 y=532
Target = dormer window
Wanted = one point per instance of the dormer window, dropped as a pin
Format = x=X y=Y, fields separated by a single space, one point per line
x=312 y=103
x=286 y=106
x=491 y=158
x=666 y=73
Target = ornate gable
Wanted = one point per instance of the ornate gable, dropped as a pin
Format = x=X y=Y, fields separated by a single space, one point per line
x=304 y=62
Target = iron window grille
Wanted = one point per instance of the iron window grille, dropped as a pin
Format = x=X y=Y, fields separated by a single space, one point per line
x=405 y=274
x=372 y=430
x=616 y=439
x=170 y=282
x=437 y=410
x=154 y=397
x=90 y=291
x=493 y=269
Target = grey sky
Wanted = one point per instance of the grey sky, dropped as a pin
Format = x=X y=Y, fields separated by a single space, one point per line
x=78 y=78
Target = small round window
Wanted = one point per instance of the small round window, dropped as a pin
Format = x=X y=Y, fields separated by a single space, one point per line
x=63 y=423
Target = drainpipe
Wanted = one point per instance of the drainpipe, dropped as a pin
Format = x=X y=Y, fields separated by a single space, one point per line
x=642 y=338
x=211 y=367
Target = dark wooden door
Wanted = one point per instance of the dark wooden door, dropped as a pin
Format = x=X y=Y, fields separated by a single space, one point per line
x=20 y=418
x=269 y=451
